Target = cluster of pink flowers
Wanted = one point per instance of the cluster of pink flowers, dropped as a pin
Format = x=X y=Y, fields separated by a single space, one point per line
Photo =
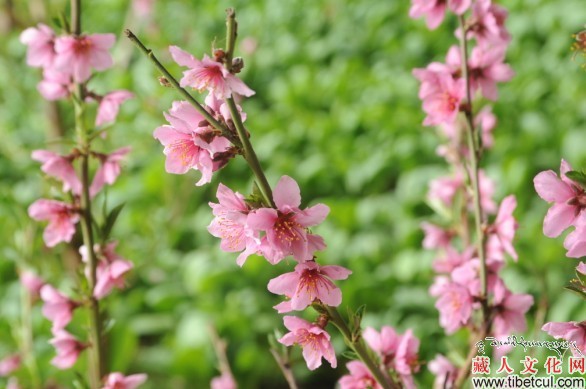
x=67 y=62
x=395 y=351
x=569 y=201
x=444 y=91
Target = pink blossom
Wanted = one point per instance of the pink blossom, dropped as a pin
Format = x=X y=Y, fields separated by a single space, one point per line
x=230 y=225
x=31 y=282
x=111 y=270
x=455 y=306
x=581 y=268
x=406 y=357
x=110 y=105
x=309 y=282
x=486 y=66
x=486 y=187
x=445 y=188
x=359 y=378
x=385 y=343
x=78 y=55
x=286 y=226
x=452 y=259
x=443 y=105
x=41 y=45
x=62 y=218
x=314 y=340
x=510 y=310
x=444 y=370
x=68 y=349
x=434 y=10
x=502 y=231
x=225 y=381
x=487 y=24
x=435 y=237
x=208 y=74
x=568 y=198
x=60 y=167
x=9 y=364
x=570 y=331
x=57 y=307
x=119 y=381
x=109 y=169
x=187 y=145
x=55 y=85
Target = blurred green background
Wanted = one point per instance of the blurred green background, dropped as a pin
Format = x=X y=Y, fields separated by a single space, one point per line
x=337 y=109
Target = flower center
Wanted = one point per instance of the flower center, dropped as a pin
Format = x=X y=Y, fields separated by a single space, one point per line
x=82 y=45
x=287 y=228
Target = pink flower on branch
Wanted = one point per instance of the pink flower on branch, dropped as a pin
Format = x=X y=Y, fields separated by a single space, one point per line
x=443 y=105
x=359 y=378
x=78 y=55
x=62 y=218
x=455 y=304
x=111 y=270
x=190 y=143
x=208 y=74
x=568 y=197
x=9 y=364
x=444 y=370
x=55 y=85
x=435 y=237
x=68 y=349
x=41 y=45
x=229 y=224
x=434 y=10
x=510 y=310
x=570 y=331
x=31 y=282
x=314 y=340
x=502 y=231
x=110 y=105
x=60 y=167
x=384 y=344
x=487 y=24
x=310 y=282
x=109 y=169
x=286 y=226
x=119 y=381
x=57 y=307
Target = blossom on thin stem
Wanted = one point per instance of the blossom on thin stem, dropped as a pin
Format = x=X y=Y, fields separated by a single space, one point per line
x=41 y=45
x=110 y=105
x=571 y=331
x=57 y=307
x=68 y=349
x=76 y=56
x=119 y=381
x=314 y=340
x=62 y=219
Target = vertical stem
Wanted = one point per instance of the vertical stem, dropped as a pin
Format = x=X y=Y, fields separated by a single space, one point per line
x=474 y=151
x=285 y=367
x=95 y=324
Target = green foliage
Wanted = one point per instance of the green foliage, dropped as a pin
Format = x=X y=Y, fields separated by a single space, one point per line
x=337 y=109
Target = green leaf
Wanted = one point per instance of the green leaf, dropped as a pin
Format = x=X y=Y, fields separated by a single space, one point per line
x=110 y=220
x=577 y=176
x=349 y=354
x=577 y=288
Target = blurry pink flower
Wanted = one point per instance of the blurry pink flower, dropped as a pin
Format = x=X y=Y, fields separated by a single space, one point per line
x=143 y=9
x=55 y=85
x=430 y=77
x=68 y=349
x=486 y=121
x=435 y=236
x=444 y=370
x=445 y=188
x=452 y=259
x=187 y=145
x=111 y=275
x=62 y=218
x=455 y=149
x=581 y=268
x=406 y=357
x=486 y=67
x=443 y=106
x=502 y=231
x=286 y=226
x=314 y=340
x=385 y=343
x=434 y=10
x=41 y=45
x=60 y=167
x=31 y=282
x=510 y=310
x=486 y=187
x=309 y=282
x=487 y=24
x=109 y=169
x=110 y=105
x=229 y=224
x=119 y=381
x=359 y=377
x=9 y=364
x=455 y=306
x=208 y=74
x=225 y=381
x=57 y=307
x=570 y=331
x=568 y=198
x=78 y=55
